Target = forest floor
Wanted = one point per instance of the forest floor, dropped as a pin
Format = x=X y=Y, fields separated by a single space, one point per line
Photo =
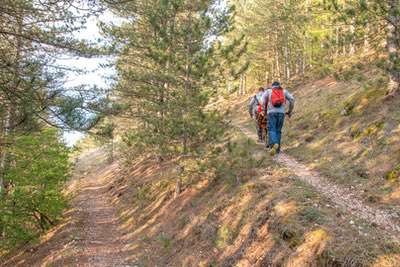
x=90 y=235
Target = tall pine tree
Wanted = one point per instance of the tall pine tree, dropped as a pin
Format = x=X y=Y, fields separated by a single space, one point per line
x=170 y=62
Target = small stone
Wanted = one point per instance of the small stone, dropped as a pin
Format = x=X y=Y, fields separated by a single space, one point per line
x=351 y=222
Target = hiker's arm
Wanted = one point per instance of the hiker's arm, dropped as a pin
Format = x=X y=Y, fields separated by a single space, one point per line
x=290 y=98
x=251 y=104
x=265 y=102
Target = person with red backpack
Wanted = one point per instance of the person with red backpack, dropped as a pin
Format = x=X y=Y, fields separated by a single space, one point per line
x=255 y=111
x=275 y=107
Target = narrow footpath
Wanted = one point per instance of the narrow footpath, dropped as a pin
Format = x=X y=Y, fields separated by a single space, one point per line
x=348 y=199
x=101 y=243
x=90 y=234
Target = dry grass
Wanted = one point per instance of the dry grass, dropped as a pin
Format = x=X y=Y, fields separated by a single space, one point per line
x=350 y=133
x=268 y=220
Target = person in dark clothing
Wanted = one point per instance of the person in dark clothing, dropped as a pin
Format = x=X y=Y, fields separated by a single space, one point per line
x=255 y=112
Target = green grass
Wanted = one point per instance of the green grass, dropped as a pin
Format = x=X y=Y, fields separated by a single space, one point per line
x=164 y=240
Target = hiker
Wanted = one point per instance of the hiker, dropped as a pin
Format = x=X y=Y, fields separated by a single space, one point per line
x=255 y=111
x=274 y=106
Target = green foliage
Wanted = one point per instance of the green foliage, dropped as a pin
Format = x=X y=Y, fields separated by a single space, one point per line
x=394 y=175
x=312 y=215
x=169 y=67
x=104 y=135
x=234 y=162
x=33 y=199
x=165 y=240
x=34 y=34
x=225 y=236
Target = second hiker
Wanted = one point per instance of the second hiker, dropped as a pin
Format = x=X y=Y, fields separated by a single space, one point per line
x=275 y=107
x=255 y=111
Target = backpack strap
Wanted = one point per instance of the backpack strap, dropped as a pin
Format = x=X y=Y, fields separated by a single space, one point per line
x=266 y=102
x=256 y=99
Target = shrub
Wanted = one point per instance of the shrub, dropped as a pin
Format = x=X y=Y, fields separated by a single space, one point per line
x=234 y=162
x=312 y=215
x=33 y=200
x=394 y=175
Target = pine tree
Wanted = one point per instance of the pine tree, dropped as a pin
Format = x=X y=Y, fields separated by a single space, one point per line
x=168 y=70
x=377 y=23
x=32 y=92
x=170 y=63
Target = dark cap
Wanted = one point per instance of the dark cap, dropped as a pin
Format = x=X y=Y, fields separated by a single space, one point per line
x=276 y=85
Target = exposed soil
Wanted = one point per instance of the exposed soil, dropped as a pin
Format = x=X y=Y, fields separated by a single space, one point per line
x=346 y=198
x=90 y=234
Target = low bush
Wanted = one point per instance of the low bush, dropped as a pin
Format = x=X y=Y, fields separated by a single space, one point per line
x=33 y=199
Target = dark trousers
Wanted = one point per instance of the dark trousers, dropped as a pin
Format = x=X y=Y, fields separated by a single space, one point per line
x=275 y=124
x=261 y=126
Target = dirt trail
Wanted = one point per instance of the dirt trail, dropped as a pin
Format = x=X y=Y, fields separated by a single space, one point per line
x=90 y=235
x=345 y=198
x=101 y=239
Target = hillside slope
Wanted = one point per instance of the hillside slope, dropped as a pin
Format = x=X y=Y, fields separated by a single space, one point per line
x=239 y=207
x=347 y=129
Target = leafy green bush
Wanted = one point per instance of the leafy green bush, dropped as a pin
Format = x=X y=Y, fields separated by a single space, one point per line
x=33 y=199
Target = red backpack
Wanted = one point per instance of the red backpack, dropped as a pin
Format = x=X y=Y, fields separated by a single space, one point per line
x=277 y=97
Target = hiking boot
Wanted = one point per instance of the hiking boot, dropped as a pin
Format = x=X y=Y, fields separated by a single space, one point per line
x=274 y=150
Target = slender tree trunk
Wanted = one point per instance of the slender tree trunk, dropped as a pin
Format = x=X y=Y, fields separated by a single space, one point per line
x=178 y=186
x=266 y=78
x=352 y=31
x=241 y=85
x=308 y=41
x=9 y=107
x=304 y=59
x=393 y=46
x=337 y=42
x=366 y=45
x=277 y=65
x=287 y=63
x=244 y=83
x=3 y=160
x=273 y=70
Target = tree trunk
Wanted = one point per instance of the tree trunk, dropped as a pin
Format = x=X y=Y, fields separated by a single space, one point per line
x=244 y=84
x=241 y=84
x=178 y=183
x=3 y=160
x=178 y=186
x=337 y=42
x=277 y=66
x=393 y=46
x=352 y=31
x=9 y=107
x=366 y=45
